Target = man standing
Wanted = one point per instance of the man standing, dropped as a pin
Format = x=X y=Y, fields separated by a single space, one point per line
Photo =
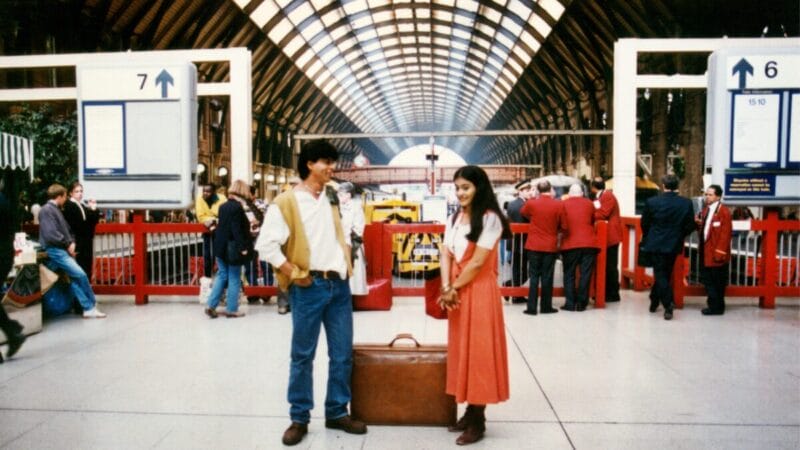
x=578 y=249
x=547 y=217
x=82 y=221
x=57 y=240
x=302 y=237
x=666 y=221
x=207 y=211
x=519 y=257
x=607 y=208
x=714 y=225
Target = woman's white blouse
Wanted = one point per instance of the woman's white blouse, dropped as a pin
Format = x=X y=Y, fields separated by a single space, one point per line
x=455 y=235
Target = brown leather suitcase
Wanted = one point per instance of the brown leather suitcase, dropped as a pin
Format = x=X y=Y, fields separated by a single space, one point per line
x=401 y=384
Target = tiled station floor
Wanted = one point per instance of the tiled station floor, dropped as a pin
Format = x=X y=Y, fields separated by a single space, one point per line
x=165 y=376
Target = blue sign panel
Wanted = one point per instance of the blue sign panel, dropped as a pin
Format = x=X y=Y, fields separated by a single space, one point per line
x=749 y=185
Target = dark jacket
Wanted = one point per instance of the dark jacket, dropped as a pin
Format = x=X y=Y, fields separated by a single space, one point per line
x=82 y=229
x=666 y=221
x=514 y=208
x=233 y=226
x=53 y=229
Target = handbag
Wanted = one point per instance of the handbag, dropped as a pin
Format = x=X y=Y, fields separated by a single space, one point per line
x=644 y=258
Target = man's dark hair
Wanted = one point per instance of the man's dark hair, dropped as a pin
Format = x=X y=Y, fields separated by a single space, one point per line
x=211 y=186
x=670 y=182
x=598 y=183
x=313 y=151
x=717 y=189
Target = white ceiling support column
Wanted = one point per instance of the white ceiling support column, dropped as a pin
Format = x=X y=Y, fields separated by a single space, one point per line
x=627 y=81
x=624 y=141
x=239 y=88
x=241 y=112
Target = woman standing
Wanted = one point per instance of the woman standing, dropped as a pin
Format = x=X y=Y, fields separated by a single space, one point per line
x=477 y=361
x=82 y=219
x=233 y=247
x=353 y=226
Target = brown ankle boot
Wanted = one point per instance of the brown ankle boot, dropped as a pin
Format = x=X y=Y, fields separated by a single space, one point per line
x=461 y=425
x=476 y=426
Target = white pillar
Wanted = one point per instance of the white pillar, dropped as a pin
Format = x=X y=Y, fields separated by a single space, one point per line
x=241 y=116
x=624 y=125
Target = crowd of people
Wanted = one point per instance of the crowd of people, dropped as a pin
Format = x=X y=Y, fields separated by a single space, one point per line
x=311 y=236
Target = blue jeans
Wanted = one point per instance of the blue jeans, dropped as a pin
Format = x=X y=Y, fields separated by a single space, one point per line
x=325 y=302
x=58 y=258
x=229 y=276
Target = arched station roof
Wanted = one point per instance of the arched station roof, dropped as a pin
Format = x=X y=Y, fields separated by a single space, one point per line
x=371 y=66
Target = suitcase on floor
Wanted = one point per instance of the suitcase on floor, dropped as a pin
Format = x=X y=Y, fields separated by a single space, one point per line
x=397 y=384
x=379 y=297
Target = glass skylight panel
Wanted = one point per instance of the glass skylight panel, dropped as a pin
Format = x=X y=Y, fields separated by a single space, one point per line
x=514 y=71
x=459 y=33
x=338 y=32
x=284 y=3
x=354 y=6
x=314 y=26
x=321 y=43
x=361 y=22
x=492 y=14
x=410 y=62
x=320 y=4
x=371 y=46
x=503 y=39
x=263 y=13
x=459 y=45
x=468 y=5
x=304 y=58
x=322 y=78
x=382 y=16
x=331 y=17
x=442 y=29
x=553 y=7
x=385 y=31
x=316 y=66
x=395 y=52
x=511 y=26
x=365 y=34
x=301 y=12
x=242 y=3
x=294 y=45
x=408 y=40
x=405 y=27
x=337 y=64
x=424 y=27
x=281 y=30
x=375 y=57
x=540 y=25
x=464 y=20
x=445 y=16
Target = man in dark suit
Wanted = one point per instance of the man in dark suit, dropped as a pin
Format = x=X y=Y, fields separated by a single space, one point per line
x=547 y=217
x=82 y=219
x=714 y=225
x=519 y=257
x=666 y=221
x=607 y=208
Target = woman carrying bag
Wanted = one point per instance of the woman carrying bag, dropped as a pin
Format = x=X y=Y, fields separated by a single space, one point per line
x=233 y=248
x=477 y=359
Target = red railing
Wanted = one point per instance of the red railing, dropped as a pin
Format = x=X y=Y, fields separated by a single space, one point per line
x=127 y=274
x=770 y=274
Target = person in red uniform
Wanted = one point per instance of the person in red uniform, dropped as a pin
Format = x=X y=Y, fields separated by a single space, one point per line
x=547 y=218
x=714 y=226
x=578 y=249
x=607 y=208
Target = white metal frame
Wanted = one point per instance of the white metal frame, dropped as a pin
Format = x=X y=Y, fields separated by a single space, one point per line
x=239 y=88
x=627 y=81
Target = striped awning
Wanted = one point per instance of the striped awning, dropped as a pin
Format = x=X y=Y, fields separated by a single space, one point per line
x=16 y=152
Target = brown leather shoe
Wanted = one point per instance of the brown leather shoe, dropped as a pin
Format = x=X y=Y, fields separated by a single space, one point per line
x=471 y=435
x=347 y=424
x=295 y=433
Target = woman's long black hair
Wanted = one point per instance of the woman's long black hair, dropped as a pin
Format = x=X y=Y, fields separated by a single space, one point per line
x=483 y=201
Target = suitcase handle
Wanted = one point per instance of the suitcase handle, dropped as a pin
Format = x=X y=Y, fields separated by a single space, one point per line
x=404 y=336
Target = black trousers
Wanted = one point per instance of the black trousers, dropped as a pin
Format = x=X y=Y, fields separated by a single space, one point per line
x=519 y=261
x=662 y=272
x=612 y=274
x=9 y=327
x=577 y=259
x=542 y=265
x=715 y=279
x=85 y=256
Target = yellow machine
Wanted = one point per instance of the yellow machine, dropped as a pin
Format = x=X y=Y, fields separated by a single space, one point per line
x=413 y=252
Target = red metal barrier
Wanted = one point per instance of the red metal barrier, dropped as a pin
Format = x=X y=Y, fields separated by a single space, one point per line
x=766 y=286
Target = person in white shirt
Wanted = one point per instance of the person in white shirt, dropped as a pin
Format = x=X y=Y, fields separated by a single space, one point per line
x=302 y=238
x=353 y=226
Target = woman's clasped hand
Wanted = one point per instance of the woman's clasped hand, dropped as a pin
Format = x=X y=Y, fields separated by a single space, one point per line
x=448 y=299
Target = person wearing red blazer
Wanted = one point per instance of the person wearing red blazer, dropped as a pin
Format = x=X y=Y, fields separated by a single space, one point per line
x=607 y=208
x=578 y=249
x=714 y=226
x=547 y=218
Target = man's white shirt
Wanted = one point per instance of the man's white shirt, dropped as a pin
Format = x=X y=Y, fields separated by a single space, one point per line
x=317 y=217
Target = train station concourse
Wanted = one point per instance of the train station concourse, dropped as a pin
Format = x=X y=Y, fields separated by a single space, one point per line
x=160 y=108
